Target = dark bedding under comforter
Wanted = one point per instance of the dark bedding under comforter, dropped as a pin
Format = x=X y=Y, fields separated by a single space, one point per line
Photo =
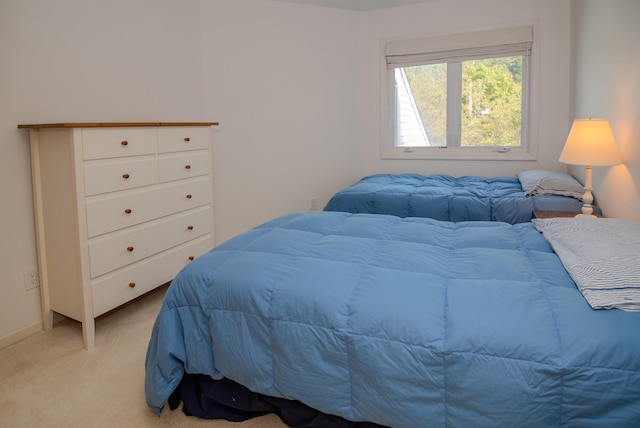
x=402 y=322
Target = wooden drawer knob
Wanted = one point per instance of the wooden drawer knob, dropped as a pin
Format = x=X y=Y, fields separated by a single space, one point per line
x=124 y=142
x=125 y=176
x=127 y=211
x=191 y=258
x=129 y=249
x=132 y=284
x=187 y=167
x=190 y=227
x=189 y=196
x=187 y=139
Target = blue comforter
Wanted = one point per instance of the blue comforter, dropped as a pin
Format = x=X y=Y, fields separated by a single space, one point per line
x=443 y=197
x=403 y=322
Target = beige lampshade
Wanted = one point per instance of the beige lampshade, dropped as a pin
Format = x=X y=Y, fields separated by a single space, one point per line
x=590 y=142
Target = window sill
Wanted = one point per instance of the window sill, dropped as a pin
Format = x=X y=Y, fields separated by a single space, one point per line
x=457 y=154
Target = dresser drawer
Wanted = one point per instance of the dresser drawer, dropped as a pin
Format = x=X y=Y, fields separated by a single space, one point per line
x=118 y=142
x=111 y=176
x=108 y=213
x=179 y=139
x=115 y=250
x=183 y=165
x=112 y=290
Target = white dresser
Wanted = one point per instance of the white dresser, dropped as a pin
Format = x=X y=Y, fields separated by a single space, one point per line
x=120 y=208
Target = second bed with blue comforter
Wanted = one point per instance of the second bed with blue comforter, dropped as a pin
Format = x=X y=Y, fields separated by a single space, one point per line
x=402 y=322
x=447 y=198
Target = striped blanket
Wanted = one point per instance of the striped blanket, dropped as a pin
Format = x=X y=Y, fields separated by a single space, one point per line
x=601 y=255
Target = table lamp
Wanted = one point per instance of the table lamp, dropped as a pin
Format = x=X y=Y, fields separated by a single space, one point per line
x=590 y=143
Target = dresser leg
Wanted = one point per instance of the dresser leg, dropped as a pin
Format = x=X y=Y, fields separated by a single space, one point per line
x=89 y=334
x=47 y=320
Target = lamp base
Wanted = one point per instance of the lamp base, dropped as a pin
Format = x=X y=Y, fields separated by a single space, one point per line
x=587 y=198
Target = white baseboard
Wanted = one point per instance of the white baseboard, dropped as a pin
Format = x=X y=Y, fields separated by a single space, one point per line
x=17 y=336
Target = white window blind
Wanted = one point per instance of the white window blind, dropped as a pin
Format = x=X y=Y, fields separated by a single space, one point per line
x=459 y=47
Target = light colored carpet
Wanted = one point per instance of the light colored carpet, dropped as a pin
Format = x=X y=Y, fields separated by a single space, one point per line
x=49 y=380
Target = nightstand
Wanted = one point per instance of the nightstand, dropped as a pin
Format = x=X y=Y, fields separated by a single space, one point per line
x=553 y=214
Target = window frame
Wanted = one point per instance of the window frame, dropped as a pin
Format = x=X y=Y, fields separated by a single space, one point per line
x=476 y=41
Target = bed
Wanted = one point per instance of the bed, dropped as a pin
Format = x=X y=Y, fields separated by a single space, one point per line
x=469 y=198
x=378 y=320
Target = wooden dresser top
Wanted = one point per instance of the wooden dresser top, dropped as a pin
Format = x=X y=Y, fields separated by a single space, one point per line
x=112 y=124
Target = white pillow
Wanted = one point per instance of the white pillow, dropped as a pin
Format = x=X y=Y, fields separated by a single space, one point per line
x=543 y=182
x=601 y=255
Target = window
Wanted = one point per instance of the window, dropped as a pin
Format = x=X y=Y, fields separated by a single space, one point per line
x=459 y=96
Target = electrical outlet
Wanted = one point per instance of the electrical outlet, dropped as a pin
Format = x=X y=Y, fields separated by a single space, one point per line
x=31 y=279
x=313 y=204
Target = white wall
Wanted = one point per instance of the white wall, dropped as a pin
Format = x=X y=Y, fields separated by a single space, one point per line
x=74 y=61
x=552 y=38
x=606 y=84
x=280 y=79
